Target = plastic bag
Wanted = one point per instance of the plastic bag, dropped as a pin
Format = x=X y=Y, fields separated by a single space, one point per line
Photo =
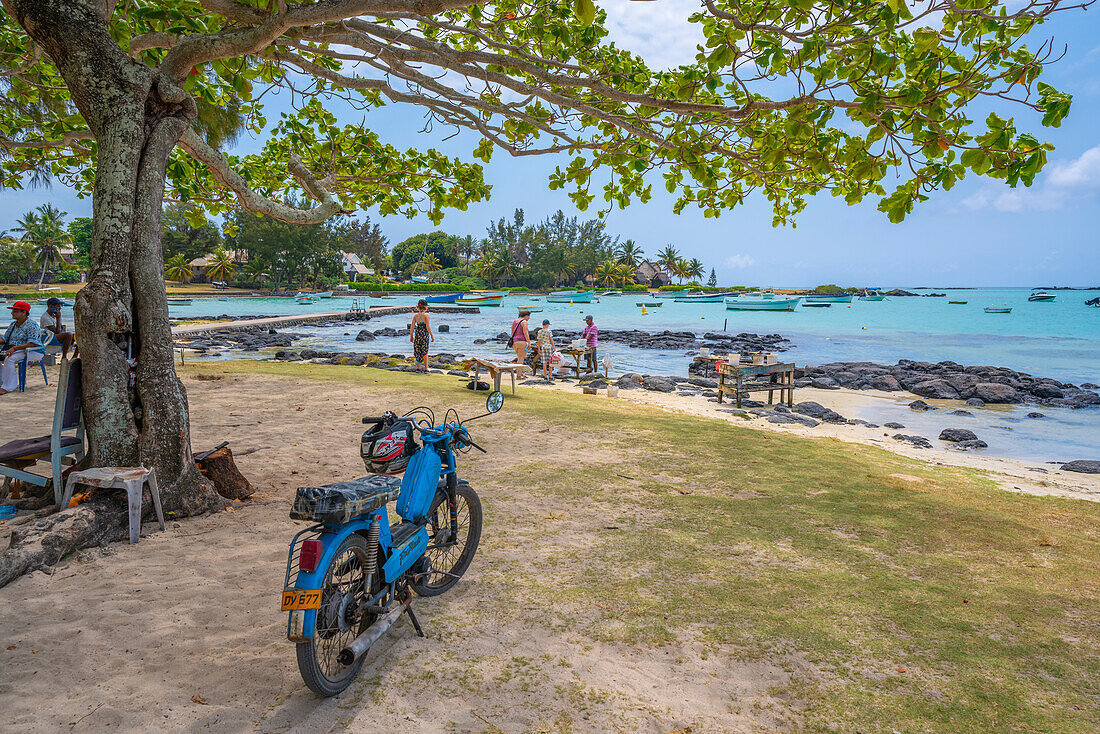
x=555 y=358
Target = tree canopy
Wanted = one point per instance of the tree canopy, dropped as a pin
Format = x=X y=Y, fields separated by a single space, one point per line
x=788 y=98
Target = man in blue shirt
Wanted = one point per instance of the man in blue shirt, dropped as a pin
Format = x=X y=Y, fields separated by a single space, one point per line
x=21 y=336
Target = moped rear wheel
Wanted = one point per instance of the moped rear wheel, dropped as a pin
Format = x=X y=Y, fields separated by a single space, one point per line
x=449 y=554
x=339 y=620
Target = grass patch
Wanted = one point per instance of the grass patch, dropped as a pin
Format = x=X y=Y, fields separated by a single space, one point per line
x=918 y=597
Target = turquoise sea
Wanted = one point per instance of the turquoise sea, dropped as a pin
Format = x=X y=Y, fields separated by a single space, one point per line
x=1060 y=339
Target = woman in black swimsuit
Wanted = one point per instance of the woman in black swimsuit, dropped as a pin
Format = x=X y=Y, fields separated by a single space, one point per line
x=420 y=331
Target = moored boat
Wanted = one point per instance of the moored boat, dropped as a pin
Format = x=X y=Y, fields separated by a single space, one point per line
x=752 y=304
x=650 y=304
x=609 y=293
x=998 y=309
x=1041 y=297
x=326 y=294
x=477 y=299
x=703 y=298
x=872 y=294
x=179 y=301
x=570 y=297
x=304 y=298
x=532 y=309
x=816 y=305
x=957 y=303
x=449 y=298
x=839 y=298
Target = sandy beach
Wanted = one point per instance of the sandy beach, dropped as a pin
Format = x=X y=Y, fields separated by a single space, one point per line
x=182 y=631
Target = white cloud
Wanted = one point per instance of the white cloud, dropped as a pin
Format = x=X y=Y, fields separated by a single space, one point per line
x=658 y=32
x=740 y=261
x=1062 y=182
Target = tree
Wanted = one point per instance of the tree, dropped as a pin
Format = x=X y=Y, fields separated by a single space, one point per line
x=694 y=269
x=185 y=229
x=42 y=230
x=130 y=101
x=428 y=263
x=630 y=253
x=407 y=253
x=467 y=246
x=221 y=266
x=607 y=274
x=16 y=259
x=367 y=241
x=713 y=281
x=255 y=272
x=668 y=259
x=179 y=269
x=80 y=232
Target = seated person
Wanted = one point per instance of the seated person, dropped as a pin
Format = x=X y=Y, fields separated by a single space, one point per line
x=51 y=324
x=21 y=336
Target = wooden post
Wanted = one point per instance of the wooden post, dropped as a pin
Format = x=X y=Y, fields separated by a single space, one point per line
x=739 y=389
x=721 y=384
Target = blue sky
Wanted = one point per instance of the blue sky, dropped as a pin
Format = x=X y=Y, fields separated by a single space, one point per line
x=981 y=233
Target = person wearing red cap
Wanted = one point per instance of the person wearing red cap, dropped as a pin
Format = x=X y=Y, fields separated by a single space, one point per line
x=21 y=336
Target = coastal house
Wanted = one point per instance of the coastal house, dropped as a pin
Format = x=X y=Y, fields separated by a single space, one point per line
x=651 y=274
x=354 y=267
x=200 y=264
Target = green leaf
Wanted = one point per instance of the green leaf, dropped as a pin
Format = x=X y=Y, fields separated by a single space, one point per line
x=585 y=10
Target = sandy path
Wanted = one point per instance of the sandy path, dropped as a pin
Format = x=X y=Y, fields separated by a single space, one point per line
x=122 y=638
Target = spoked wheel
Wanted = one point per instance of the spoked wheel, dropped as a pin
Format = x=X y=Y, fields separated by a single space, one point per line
x=338 y=620
x=449 y=552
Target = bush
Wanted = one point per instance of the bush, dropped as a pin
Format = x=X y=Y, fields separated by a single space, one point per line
x=634 y=288
x=406 y=287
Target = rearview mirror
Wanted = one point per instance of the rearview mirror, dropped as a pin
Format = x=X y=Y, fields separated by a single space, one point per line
x=495 y=401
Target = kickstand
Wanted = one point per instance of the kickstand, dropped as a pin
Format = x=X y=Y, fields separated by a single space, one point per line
x=415 y=621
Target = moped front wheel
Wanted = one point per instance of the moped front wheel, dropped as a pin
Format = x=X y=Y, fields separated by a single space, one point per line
x=450 y=551
x=339 y=620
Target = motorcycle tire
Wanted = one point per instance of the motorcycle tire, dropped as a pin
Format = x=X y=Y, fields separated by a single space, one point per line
x=444 y=562
x=336 y=626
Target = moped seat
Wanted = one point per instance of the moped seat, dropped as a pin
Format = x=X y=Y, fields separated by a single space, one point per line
x=342 y=501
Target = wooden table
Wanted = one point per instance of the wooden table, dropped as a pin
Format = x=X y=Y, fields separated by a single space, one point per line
x=779 y=377
x=575 y=354
x=710 y=362
x=495 y=369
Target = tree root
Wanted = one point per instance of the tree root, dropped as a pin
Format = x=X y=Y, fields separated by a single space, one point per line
x=103 y=519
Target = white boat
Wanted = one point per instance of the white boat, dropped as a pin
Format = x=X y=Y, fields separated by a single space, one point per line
x=302 y=299
x=752 y=304
x=570 y=297
x=840 y=298
x=872 y=294
x=1041 y=297
x=998 y=309
x=179 y=301
x=326 y=294
x=609 y=293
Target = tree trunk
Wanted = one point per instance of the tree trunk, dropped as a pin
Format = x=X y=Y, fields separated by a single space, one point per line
x=122 y=313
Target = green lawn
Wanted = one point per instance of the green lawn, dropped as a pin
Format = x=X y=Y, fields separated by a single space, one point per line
x=903 y=596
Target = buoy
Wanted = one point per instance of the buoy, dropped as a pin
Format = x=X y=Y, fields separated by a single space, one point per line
x=570 y=301
x=644 y=311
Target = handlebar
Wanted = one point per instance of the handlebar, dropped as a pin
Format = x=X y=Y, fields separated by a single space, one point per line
x=372 y=419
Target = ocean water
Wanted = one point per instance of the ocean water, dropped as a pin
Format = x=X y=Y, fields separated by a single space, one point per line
x=1059 y=339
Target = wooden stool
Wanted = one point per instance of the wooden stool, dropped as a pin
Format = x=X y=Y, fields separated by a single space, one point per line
x=114 y=477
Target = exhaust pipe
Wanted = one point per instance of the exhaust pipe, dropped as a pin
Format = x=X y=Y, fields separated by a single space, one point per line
x=362 y=643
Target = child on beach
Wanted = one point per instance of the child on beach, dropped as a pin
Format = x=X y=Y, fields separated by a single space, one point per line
x=420 y=331
x=546 y=349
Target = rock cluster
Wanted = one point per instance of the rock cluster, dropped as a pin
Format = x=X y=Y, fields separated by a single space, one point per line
x=677 y=340
x=977 y=385
x=248 y=339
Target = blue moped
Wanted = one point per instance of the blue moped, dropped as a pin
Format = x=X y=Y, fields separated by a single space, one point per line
x=351 y=575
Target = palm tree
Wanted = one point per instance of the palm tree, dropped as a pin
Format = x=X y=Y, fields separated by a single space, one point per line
x=221 y=267
x=428 y=263
x=667 y=258
x=630 y=254
x=484 y=267
x=178 y=269
x=679 y=268
x=42 y=229
x=255 y=271
x=695 y=269
x=467 y=246
x=607 y=273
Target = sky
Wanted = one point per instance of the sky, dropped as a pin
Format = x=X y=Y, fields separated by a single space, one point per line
x=981 y=233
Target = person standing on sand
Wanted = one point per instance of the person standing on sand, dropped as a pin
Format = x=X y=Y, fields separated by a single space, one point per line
x=546 y=350
x=591 y=336
x=21 y=336
x=521 y=337
x=420 y=331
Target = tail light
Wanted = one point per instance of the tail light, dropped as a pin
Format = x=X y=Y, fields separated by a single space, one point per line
x=310 y=555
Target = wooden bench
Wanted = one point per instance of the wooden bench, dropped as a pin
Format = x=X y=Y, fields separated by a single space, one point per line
x=733 y=380
x=576 y=354
x=495 y=369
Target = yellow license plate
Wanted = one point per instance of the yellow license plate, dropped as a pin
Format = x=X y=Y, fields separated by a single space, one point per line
x=293 y=599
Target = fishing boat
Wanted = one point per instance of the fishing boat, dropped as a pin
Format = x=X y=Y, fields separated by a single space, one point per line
x=872 y=294
x=753 y=304
x=609 y=293
x=998 y=309
x=1041 y=297
x=957 y=303
x=179 y=301
x=477 y=299
x=839 y=298
x=570 y=297
x=650 y=304
x=703 y=298
x=326 y=294
x=450 y=298
x=816 y=305
x=668 y=294
x=532 y=309
x=303 y=299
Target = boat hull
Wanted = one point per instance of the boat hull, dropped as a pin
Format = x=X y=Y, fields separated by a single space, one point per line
x=480 y=301
x=872 y=298
x=650 y=304
x=829 y=299
x=776 y=304
x=443 y=299
x=1041 y=298
x=708 y=298
x=570 y=297
x=998 y=310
